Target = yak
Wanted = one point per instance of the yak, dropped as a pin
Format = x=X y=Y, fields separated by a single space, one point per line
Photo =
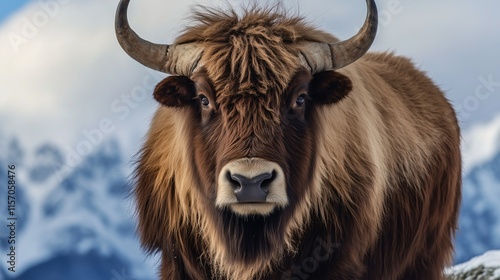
x=281 y=152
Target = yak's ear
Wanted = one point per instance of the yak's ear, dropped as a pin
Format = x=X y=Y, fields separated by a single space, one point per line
x=175 y=91
x=329 y=87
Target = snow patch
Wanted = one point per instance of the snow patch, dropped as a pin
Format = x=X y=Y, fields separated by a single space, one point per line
x=490 y=259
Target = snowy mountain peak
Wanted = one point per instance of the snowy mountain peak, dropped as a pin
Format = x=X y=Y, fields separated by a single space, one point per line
x=84 y=216
x=480 y=144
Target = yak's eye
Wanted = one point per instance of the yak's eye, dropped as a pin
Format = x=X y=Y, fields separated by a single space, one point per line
x=204 y=100
x=301 y=100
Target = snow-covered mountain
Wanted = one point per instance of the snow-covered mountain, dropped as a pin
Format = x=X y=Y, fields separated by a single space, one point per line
x=73 y=222
x=77 y=222
x=480 y=213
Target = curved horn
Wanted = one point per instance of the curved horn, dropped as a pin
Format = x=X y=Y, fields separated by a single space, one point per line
x=179 y=59
x=323 y=57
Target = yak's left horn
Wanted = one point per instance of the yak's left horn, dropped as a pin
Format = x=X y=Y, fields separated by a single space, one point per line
x=320 y=57
x=179 y=59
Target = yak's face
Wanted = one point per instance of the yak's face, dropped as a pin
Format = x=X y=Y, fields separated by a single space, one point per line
x=254 y=150
x=252 y=132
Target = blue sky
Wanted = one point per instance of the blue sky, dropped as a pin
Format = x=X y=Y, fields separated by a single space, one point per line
x=9 y=6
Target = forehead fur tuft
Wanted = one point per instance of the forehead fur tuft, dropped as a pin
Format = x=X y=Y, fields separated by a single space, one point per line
x=252 y=52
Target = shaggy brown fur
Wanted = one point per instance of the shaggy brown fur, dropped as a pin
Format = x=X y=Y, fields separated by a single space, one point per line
x=372 y=161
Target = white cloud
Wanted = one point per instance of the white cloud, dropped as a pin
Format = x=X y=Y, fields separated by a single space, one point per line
x=63 y=78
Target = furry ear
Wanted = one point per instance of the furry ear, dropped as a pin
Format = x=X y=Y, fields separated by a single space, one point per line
x=175 y=91
x=329 y=87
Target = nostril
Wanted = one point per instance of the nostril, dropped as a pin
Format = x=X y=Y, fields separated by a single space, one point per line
x=253 y=189
x=257 y=181
x=264 y=185
x=234 y=183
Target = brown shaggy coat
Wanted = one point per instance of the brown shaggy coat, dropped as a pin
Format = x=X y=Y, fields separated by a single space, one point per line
x=373 y=167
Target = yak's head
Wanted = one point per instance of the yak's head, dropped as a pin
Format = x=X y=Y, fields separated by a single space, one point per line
x=251 y=84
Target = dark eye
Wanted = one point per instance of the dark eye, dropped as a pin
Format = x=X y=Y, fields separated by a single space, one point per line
x=301 y=100
x=204 y=100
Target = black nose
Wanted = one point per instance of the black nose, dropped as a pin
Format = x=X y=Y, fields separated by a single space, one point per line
x=251 y=189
